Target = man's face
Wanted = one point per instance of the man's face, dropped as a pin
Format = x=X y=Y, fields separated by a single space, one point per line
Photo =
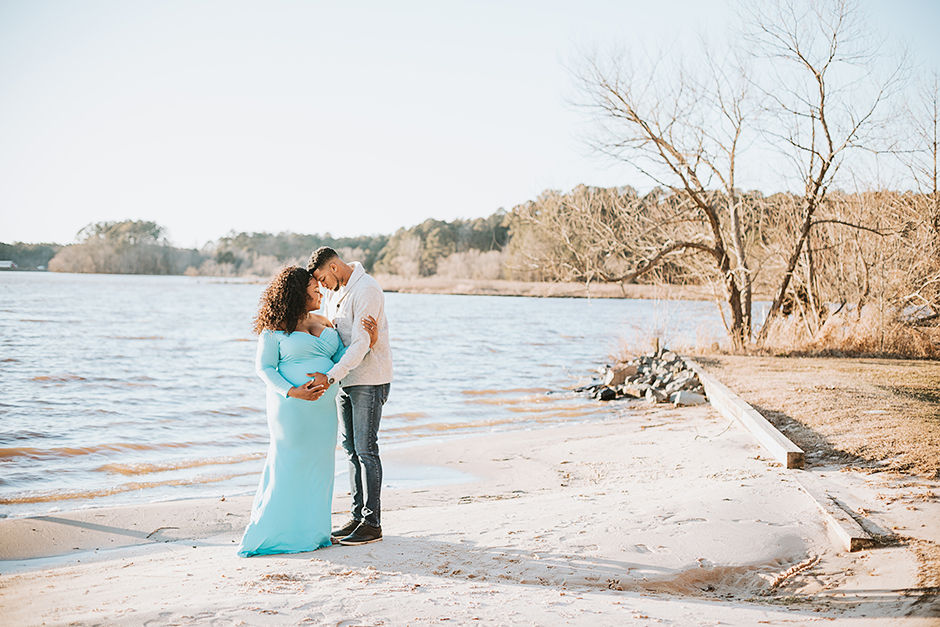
x=326 y=277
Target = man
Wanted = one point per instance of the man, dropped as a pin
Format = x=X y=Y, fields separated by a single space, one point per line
x=364 y=377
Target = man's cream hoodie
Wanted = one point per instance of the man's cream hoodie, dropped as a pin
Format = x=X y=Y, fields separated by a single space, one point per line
x=360 y=297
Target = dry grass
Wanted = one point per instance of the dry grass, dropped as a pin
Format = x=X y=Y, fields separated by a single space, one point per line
x=873 y=332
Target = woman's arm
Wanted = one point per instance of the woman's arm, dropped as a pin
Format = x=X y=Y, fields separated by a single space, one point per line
x=266 y=362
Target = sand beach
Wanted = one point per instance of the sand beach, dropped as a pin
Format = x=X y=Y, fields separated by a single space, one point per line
x=648 y=515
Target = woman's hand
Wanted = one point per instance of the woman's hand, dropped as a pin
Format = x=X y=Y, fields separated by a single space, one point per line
x=368 y=323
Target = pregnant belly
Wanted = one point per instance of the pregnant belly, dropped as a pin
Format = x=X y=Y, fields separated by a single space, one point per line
x=296 y=371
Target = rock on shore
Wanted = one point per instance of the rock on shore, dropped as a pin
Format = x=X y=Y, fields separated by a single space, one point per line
x=659 y=378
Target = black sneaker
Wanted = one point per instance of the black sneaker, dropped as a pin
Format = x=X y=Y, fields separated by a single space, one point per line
x=364 y=534
x=345 y=530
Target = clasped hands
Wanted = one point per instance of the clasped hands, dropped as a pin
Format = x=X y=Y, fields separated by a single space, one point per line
x=311 y=390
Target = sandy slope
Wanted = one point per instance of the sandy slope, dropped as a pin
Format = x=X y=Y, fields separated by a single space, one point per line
x=652 y=516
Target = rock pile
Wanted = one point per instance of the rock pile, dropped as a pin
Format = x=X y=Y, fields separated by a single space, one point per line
x=659 y=378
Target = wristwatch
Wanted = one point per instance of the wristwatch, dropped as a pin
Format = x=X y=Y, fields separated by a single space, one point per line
x=330 y=380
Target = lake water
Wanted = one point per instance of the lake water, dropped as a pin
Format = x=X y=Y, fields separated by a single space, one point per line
x=120 y=389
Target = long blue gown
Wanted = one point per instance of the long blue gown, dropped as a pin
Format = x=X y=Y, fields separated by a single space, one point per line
x=291 y=510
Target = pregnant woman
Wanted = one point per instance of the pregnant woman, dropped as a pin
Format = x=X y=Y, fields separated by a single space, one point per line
x=291 y=510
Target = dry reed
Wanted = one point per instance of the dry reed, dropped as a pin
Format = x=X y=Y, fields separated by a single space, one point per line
x=872 y=332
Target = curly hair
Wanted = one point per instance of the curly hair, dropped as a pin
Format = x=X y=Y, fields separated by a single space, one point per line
x=284 y=301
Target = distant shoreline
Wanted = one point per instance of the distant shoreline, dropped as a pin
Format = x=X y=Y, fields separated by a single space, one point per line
x=500 y=287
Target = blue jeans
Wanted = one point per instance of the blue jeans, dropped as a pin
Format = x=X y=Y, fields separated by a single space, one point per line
x=360 y=410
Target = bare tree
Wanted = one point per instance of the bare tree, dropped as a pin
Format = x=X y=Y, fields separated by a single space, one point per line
x=921 y=158
x=812 y=85
x=682 y=126
x=822 y=72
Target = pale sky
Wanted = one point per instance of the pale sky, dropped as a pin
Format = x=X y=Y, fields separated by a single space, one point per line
x=312 y=116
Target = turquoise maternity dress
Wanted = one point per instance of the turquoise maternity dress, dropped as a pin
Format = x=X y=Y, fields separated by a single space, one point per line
x=291 y=511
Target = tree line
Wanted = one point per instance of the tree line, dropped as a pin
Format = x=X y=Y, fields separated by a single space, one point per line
x=867 y=251
x=461 y=248
x=29 y=256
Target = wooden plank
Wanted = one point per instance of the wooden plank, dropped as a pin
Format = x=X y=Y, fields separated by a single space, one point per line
x=733 y=408
x=852 y=536
x=850 y=533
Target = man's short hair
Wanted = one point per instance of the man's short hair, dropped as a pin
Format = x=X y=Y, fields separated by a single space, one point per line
x=321 y=257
